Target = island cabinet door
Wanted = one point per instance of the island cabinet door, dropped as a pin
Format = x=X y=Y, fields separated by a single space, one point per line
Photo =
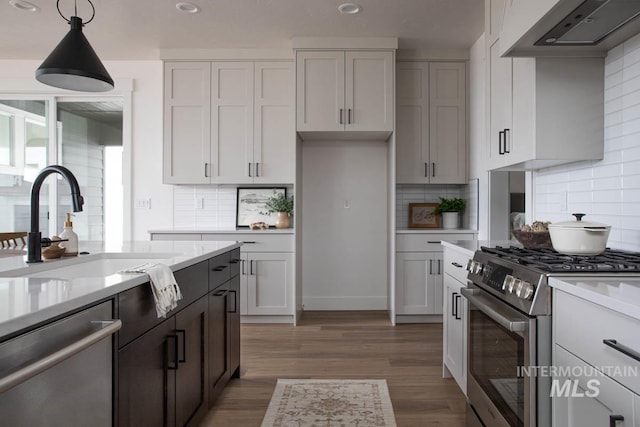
x=233 y=327
x=217 y=342
x=191 y=392
x=146 y=378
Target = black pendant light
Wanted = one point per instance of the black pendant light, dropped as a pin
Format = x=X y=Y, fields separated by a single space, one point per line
x=73 y=64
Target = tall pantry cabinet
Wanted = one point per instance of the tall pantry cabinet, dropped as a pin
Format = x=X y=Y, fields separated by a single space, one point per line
x=228 y=122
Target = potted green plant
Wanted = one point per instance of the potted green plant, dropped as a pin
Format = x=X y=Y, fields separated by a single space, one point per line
x=282 y=206
x=450 y=210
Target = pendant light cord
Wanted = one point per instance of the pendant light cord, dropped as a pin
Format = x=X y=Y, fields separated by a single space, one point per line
x=93 y=14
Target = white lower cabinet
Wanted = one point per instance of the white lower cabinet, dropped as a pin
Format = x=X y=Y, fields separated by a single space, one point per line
x=419 y=283
x=454 y=319
x=595 y=383
x=419 y=275
x=266 y=284
x=581 y=400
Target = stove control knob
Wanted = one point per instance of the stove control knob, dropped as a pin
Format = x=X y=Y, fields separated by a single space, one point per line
x=527 y=291
x=508 y=280
x=477 y=268
x=470 y=264
x=514 y=285
x=519 y=287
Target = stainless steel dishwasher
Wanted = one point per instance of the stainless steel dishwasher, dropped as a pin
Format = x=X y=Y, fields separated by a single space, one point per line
x=61 y=373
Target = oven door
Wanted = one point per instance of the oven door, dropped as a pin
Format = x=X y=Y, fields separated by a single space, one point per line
x=501 y=340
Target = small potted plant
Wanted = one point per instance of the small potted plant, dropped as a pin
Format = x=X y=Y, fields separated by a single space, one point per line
x=282 y=206
x=450 y=210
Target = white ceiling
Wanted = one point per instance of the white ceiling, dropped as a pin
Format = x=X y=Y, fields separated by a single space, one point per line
x=136 y=29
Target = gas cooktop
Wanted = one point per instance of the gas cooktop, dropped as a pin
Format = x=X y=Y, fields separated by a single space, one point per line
x=548 y=260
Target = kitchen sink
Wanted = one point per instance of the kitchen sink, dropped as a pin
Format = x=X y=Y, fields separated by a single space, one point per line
x=98 y=265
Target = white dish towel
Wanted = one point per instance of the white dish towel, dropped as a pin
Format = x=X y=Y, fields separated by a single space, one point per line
x=166 y=291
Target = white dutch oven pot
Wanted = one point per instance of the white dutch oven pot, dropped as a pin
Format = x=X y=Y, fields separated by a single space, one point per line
x=579 y=237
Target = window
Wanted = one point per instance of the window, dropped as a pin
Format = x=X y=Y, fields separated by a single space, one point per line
x=87 y=139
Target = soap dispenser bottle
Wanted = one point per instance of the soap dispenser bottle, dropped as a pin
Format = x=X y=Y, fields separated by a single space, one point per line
x=71 y=246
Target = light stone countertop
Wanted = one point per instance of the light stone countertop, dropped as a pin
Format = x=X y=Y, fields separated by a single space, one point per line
x=26 y=301
x=220 y=231
x=470 y=246
x=435 y=231
x=620 y=294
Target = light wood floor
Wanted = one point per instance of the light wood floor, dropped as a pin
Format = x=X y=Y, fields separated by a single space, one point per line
x=345 y=345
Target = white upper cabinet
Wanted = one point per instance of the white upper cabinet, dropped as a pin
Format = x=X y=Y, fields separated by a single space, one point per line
x=231 y=123
x=187 y=122
x=431 y=131
x=273 y=148
x=342 y=91
x=228 y=122
x=541 y=111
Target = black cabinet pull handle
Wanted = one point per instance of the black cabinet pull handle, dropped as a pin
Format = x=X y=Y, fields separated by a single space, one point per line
x=234 y=304
x=622 y=349
x=248 y=242
x=251 y=268
x=457 y=315
x=257 y=169
x=249 y=169
x=243 y=267
x=433 y=241
x=220 y=293
x=439 y=267
x=613 y=419
x=433 y=169
x=453 y=305
x=506 y=143
x=455 y=264
x=206 y=175
x=219 y=268
x=340 y=116
x=173 y=367
x=349 y=118
x=184 y=345
x=234 y=261
x=500 y=138
x=426 y=169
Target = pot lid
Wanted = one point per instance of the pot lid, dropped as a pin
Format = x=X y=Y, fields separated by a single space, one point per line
x=579 y=223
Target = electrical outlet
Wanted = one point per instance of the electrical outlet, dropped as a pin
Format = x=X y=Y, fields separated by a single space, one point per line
x=347 y=204
x=143 y=203
x=199 y=202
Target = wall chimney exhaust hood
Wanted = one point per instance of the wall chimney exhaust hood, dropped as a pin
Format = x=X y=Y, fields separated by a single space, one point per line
x=568 y=27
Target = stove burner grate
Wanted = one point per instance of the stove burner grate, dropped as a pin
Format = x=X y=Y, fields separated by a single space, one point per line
x=610 y=261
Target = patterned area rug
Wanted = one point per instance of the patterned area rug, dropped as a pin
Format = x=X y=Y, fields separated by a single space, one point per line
x=330 y=403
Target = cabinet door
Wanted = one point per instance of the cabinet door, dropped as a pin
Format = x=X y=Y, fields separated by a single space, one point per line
x=269 y=283
x=217 y=341
x=233 y=327
x=232 y=123
x=500 y=106
x=588 y=400
x=369 y=91
x=187 y=122
x=447 y=124
x=274 y=134
x=454 y=348
x=412 y=130
x=418 y=283
x=146 y=378
x=320 y=91
x=191 y=375
x=494 y=16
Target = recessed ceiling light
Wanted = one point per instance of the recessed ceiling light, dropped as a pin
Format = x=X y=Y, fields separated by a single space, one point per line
x=23 y=5
x=187 y=7
x=349 y=8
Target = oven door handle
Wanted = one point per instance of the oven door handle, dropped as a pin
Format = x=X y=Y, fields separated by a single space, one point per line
x=498 y=313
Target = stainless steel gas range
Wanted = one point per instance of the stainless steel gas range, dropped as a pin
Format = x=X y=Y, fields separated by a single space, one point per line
x=509 y=328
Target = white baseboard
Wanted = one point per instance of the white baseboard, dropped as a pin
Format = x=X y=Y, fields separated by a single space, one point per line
x=345 y=303
x=285 y=319
x=419 y=318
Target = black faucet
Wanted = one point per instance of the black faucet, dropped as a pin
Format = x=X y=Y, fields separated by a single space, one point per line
x=34 y=243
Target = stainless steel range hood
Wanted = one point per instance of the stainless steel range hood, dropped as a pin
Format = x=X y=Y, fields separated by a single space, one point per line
x=568 y=27
x=591 y=22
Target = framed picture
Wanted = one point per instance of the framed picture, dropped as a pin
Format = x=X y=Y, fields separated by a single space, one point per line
x=251 y=205
x=421 y=215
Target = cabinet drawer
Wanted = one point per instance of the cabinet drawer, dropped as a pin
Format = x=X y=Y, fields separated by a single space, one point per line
x=581 y=326
x=219 y=270
x=234 y=263
x=137 y=309
x=426 y=242
x=455 y=264
x=256 y=242
x=176 y=236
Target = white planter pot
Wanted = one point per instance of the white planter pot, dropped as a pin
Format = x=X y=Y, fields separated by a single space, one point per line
x=450 y=219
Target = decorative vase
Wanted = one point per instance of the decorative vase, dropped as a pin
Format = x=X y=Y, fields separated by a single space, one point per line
x=450 y=219
x=282 y=220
